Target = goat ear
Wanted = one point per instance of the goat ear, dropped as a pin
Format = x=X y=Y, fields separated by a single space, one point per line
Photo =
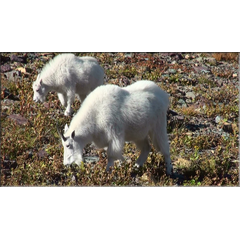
x=73 y=134
x=65 y=128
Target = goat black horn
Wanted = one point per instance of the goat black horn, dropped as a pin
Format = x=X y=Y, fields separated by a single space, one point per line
x=60 y=133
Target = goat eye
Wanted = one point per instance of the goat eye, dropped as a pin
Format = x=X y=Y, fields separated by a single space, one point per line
x=68 y=146
x=37 y=90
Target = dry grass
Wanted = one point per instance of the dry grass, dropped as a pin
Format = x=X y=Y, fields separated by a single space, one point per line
x=225 y=56
x=201 y=159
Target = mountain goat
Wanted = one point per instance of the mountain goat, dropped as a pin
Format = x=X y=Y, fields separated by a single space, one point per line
x=111 y=115
x=68 y=75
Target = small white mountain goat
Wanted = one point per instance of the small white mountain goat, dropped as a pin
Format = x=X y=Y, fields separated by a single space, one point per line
x=111 y=115
x=68 y=75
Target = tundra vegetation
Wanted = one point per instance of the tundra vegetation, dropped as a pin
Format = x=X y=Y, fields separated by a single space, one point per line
x=202 y=122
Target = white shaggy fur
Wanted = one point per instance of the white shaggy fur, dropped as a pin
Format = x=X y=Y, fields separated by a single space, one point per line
x=111 y=115
x=68 y=75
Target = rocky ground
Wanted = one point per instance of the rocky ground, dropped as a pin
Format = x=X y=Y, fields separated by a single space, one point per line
x=202 y=122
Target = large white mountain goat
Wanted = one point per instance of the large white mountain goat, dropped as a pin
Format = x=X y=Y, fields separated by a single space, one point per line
x=68 y=75
x=111 y=115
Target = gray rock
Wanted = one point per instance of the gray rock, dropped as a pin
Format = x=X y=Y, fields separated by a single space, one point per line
x=190 y=95
x=42 y=154
x=20 y=120
x=172 y=71
x=15 y=58
x=13 y=75
x=6 y=68
x=90 y=159
x=225 y=135
x=128 y=55
x=48 y=105
x=217 y=119
x=181 y=101
x=219 y=82
x=165 y=75
x=73 y=178
x=199 y=59
x=211 y=60
x=201 y=69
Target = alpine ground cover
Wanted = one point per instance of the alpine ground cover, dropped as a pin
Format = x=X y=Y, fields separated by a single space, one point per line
x=202 y=122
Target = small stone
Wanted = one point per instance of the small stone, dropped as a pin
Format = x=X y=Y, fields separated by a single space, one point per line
x=173 y=62
x=212 y=61
x=219 y=82
x=20 y=120
x=90 y=159
x=42 y=154
x=187 y=56
x=225 y=135
x=15 y=58
x=172 y=71
x=48 y=105
x=201 y=69
x=165 y=75
x=199 y=59
x=6 y=68
x=217 y=119
x=73 y=178
x=45 y=59
x=190 y=95
x=234 y=75
x=179 y=118
x=13 y=75
x=129 y=55
x=181 y=101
